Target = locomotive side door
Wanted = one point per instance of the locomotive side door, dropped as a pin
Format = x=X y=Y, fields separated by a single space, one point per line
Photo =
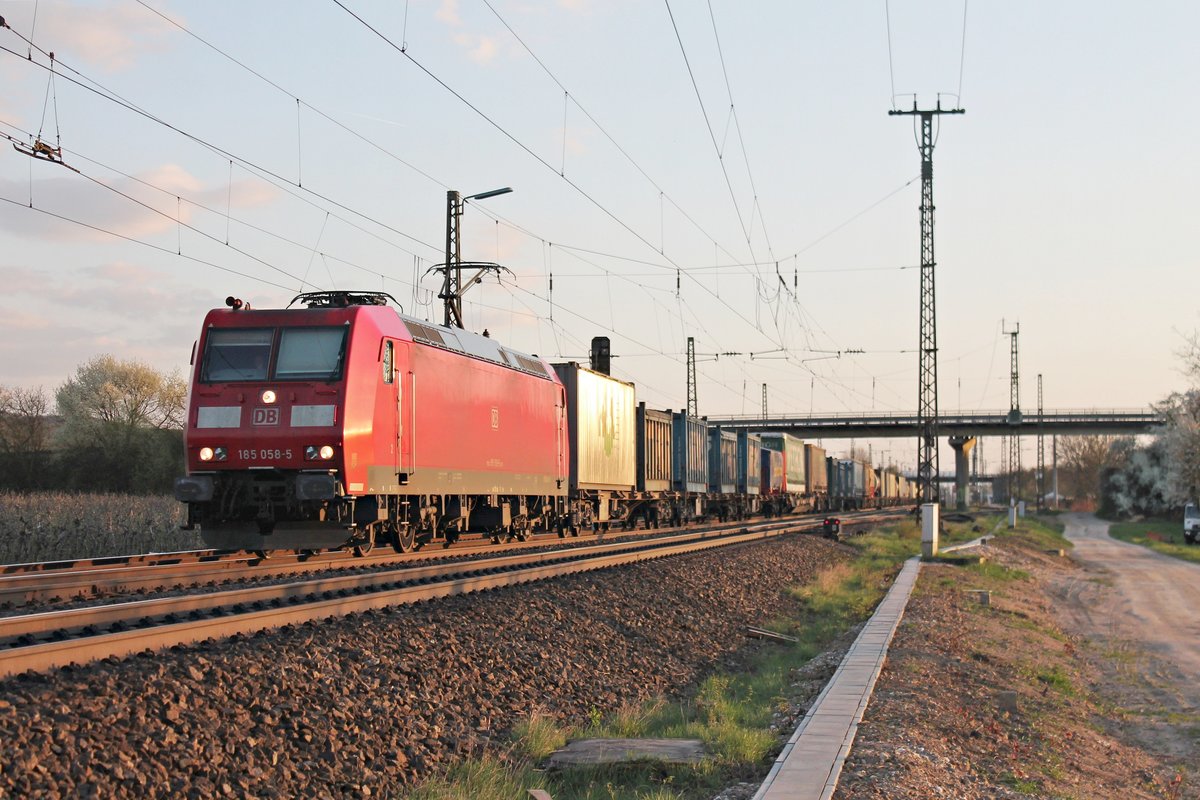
x=393 y=392
x=563 y=439
x=406 y=385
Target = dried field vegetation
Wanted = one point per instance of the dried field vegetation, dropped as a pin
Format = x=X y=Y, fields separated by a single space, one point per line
x=50 y=526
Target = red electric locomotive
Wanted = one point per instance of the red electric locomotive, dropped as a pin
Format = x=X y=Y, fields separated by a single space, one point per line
x=344 y=423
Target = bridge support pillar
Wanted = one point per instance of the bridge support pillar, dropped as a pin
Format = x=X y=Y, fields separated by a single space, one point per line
x=962 y=468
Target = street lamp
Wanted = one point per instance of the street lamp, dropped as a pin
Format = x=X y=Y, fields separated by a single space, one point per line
x=452 y=287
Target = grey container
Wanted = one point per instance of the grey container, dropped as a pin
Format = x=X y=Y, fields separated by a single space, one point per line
x=602 y=424
x=653 y=450
x=689 y=453
x=749 y=463
x=722 y=461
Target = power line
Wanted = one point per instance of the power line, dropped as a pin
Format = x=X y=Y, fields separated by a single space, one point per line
x=737 y=126
x=962 y=56
x=314 y=109
x=539 y=159
x=134 y=240
x=270 y=175
x=708 y=124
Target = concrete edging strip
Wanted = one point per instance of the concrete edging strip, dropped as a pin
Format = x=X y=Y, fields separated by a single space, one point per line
x=811 y=762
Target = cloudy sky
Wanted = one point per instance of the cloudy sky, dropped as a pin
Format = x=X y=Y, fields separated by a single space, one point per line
x=721 y=170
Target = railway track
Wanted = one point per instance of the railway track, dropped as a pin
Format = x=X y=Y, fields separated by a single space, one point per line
x=58 y=638
x=51 y=639
x=25 y=584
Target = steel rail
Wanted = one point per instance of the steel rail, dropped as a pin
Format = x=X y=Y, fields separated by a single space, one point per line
x=42 y=585
x=314 y=600
x=174 y=571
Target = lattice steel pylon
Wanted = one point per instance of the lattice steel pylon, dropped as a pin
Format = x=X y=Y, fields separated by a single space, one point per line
x=927 y=402
x=1014 y=413
x=764 y=401
x=1041 y=453
x=693 y=408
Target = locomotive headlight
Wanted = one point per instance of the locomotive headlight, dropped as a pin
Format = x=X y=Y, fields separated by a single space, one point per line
x=213 y=454
x=268 y=397
x=314 y=453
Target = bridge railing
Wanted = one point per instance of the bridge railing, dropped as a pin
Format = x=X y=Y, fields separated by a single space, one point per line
x=1109 y=414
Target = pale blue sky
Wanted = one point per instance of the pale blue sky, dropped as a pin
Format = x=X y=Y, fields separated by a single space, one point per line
x=1066 y=195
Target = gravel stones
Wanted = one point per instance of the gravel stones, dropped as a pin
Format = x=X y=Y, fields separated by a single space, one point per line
x=370 y=705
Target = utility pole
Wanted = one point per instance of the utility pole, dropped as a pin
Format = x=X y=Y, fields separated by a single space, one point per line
x=927 y=402
x=693 y=408
x=1041 y=454
x=453 y=287
x=975 y=468
x=1008 y=483
x=1014 y=410
x=1054 y=456
x=764 y=401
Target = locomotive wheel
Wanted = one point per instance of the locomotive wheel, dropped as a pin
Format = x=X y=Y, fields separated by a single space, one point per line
x=365 y=545
x=404 y=538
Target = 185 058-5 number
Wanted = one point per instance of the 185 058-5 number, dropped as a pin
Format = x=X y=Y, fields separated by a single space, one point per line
x=265 y=454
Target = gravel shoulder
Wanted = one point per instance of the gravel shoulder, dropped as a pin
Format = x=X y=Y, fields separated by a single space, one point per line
x=1044 y=692
x=372 y=705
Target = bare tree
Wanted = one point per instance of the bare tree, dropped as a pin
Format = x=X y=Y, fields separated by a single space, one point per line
x=24 y=432
x=1080 y=462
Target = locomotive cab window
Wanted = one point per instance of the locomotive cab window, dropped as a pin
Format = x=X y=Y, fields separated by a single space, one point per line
x=310 y=353
x=237 y=355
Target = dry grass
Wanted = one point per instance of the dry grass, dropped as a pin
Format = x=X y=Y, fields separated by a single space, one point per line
x=50 y=526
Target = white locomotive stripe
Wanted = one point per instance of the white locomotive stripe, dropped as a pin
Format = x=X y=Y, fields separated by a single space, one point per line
x=312 y=416
x=219 y=417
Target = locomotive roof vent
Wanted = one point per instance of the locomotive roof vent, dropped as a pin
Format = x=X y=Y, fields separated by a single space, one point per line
x=338 y=299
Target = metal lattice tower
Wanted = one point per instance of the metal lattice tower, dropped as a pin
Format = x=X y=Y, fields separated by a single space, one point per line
x=927 y=402
x=693 y=404
x=975 y=465
x=1008 y=488
x=764 y=401
x=1041 y=452
x=1014 y=412
x=452 y=288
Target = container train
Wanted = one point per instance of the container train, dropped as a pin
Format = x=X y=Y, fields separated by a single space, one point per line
x=343 y=423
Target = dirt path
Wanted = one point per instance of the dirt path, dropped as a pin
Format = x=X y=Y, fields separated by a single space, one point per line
x=1142 y=611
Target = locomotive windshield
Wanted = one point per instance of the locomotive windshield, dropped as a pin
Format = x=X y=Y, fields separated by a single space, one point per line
x=245 y=354
x=310 y=353
x=237 y=355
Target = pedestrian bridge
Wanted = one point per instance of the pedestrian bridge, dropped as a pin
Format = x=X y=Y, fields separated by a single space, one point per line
x=954 y=424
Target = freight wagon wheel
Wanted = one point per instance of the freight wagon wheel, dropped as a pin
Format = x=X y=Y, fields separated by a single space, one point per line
x=404 y=538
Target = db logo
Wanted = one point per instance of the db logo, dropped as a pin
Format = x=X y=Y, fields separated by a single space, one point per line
x=266 y=416
x=496 y=418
